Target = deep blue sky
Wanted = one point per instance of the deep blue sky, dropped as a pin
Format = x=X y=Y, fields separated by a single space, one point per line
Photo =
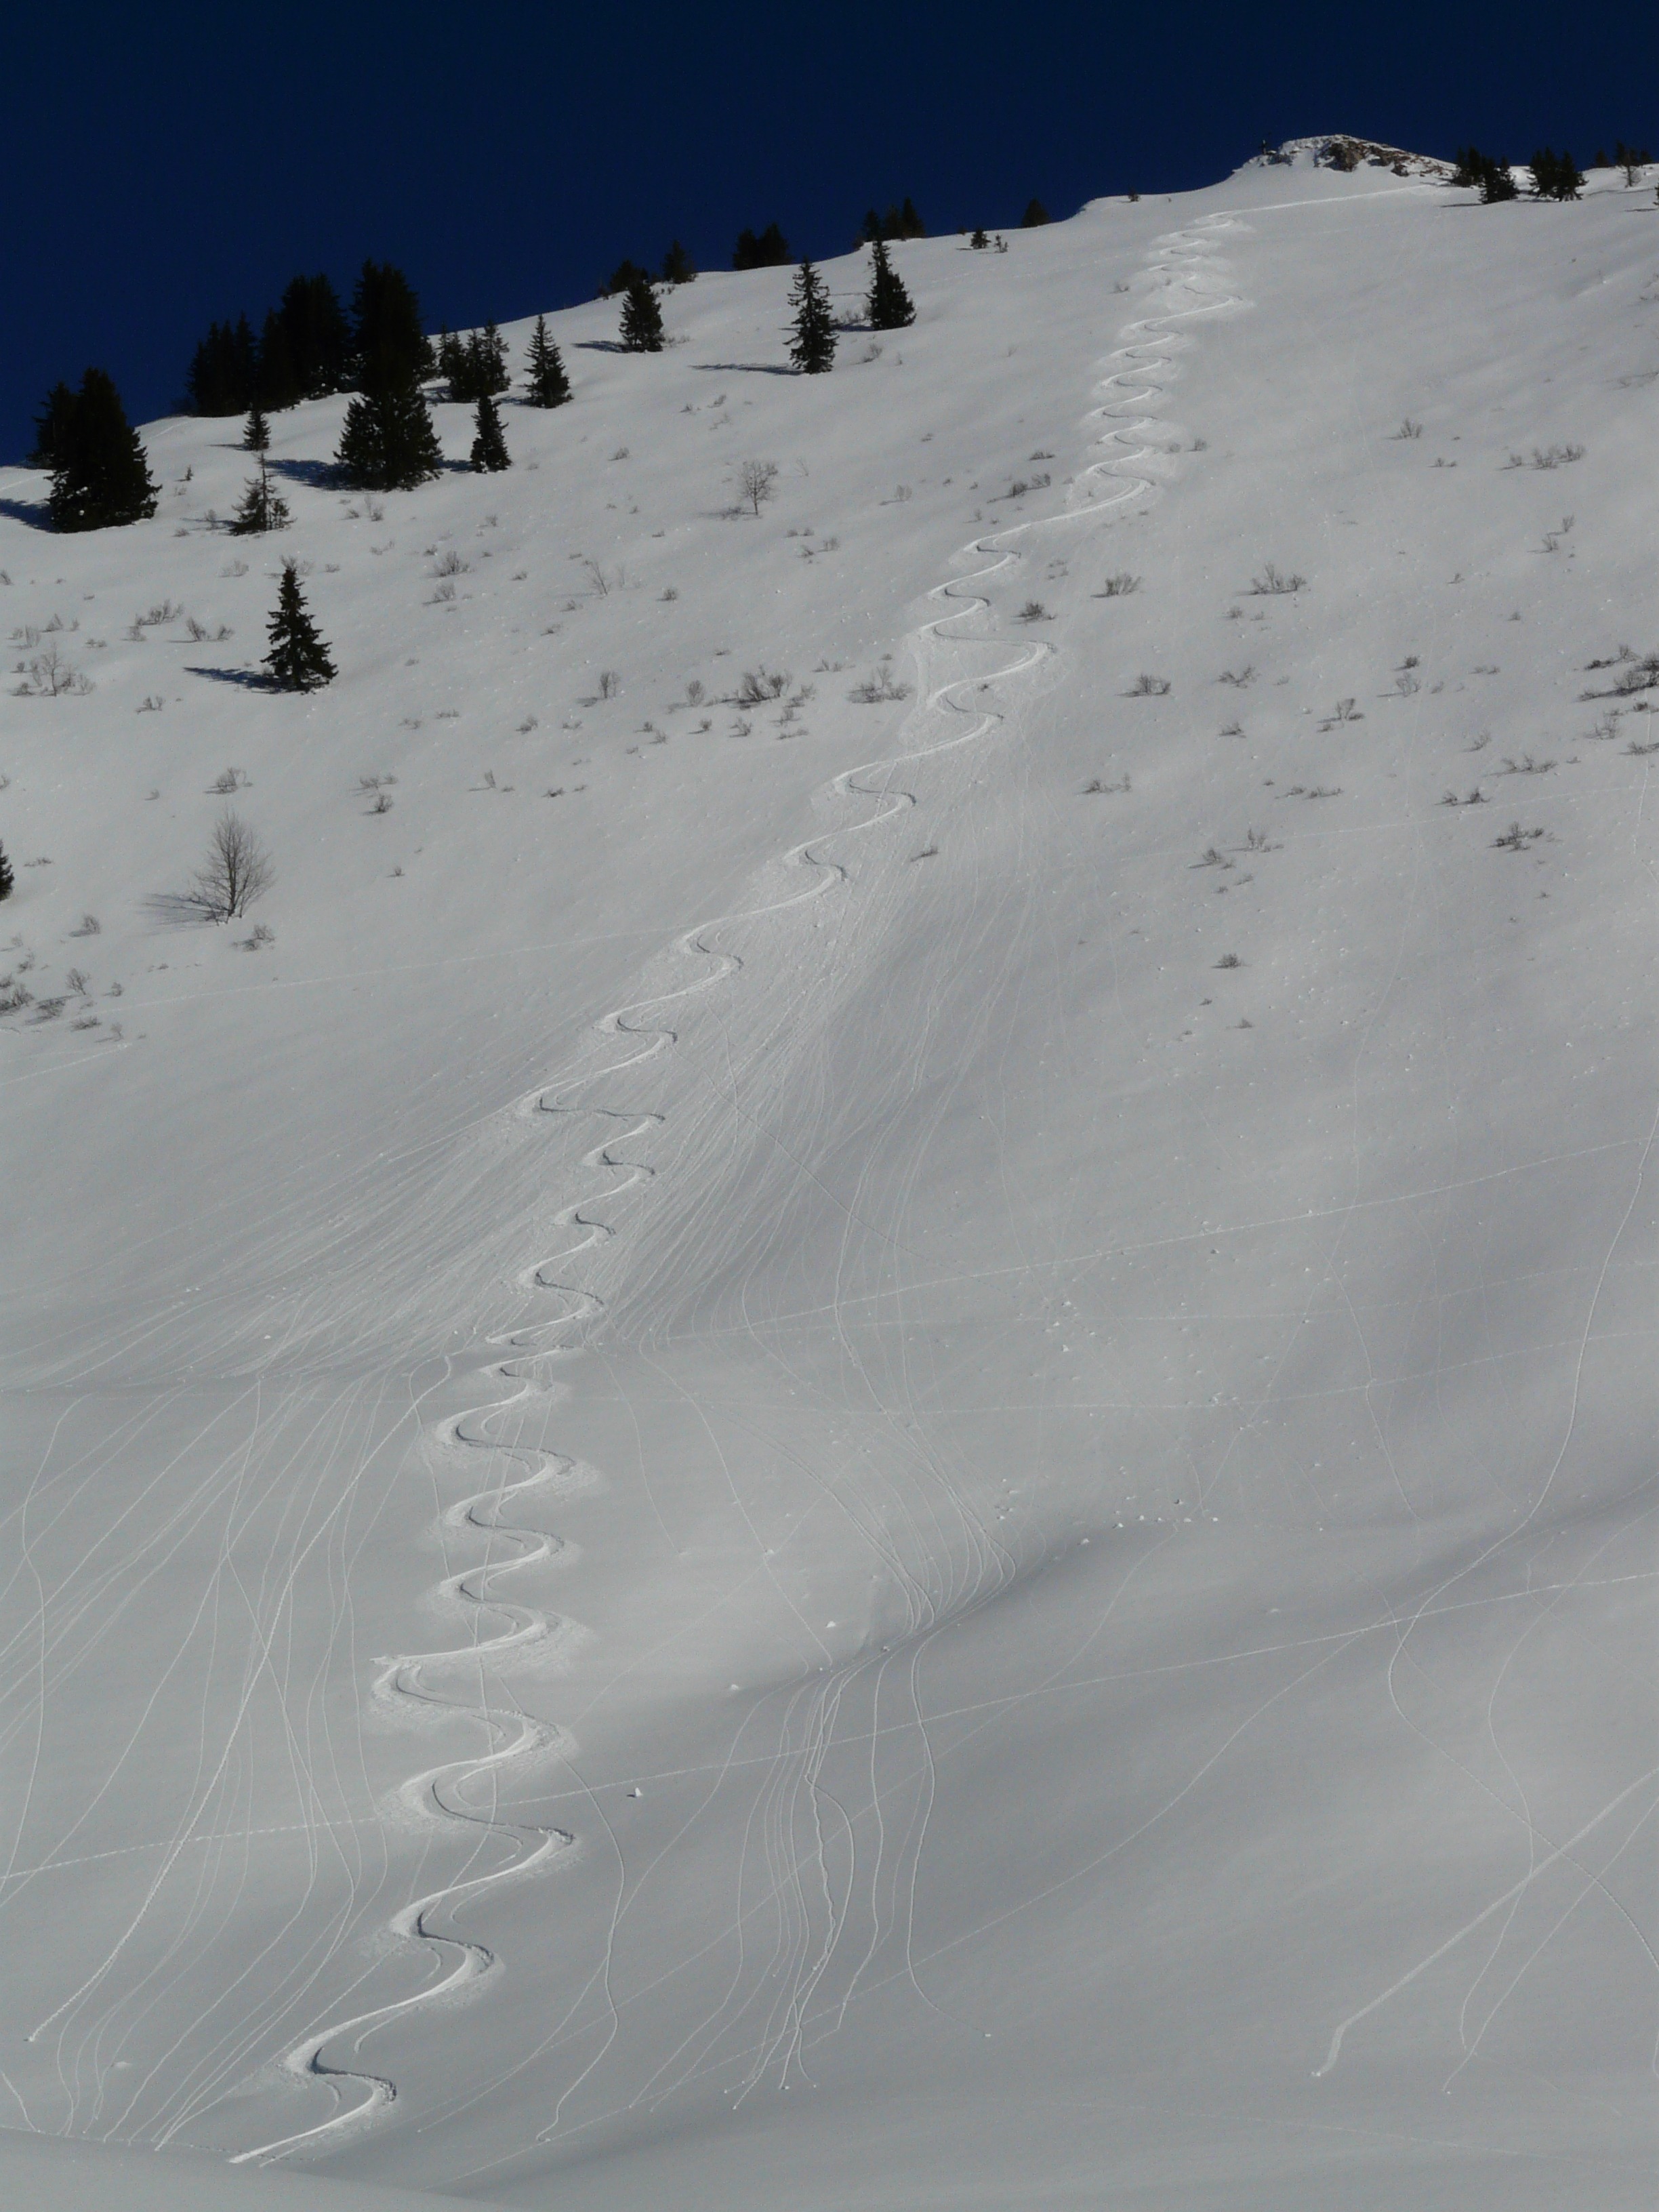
x=167 y=165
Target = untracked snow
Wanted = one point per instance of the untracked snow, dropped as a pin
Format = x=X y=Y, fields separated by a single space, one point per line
x=862 y=1452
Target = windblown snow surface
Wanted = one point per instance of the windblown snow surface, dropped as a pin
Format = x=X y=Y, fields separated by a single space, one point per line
x=864 y=1452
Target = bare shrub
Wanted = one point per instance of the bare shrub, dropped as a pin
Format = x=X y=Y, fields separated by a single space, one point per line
x=1554 y=457
x=1119 y=587
x=229 y=780
x=237 y=871
x=756 y=483
x=1514 y=839
x=1229 y=960
x=452 y=564
x=1238 y=676
x=49 y=676
x=1148 y=687
x=1034 y=611
x=759 y=685
x=1408 y=429
x=1273 y=583
x=610 y=682
x=88 y=926
x=875 y=690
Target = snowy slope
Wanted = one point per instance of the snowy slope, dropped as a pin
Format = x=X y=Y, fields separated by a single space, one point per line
x=1007 y=1334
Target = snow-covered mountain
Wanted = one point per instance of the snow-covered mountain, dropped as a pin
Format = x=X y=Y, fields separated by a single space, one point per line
x=874 y=1425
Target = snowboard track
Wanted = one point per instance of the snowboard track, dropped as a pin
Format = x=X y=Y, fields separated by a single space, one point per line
x=439 y=1794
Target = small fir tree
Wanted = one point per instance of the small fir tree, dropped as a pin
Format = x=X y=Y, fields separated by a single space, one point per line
x=621 y=278
x=53 y=427
x=100 y=477
x=298 y=658
x=451 y=363
x=812 y=343
x=678 y=266
x=544 y=371
x=979 y=241
x=888 y=304
x=1555 y=176
x=1035 y=217
x=388 y=443
x=769 y=251
x=259 y=508
x=489 y=452
x=486 y=360
x=641 y=317
x=256 y=435
x=389 y=347
x=7 y=878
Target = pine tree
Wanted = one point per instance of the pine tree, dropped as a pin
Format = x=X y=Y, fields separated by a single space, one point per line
x=316 y=339
x=224 y=369
x=979 y=241
x=100 y=477
x=910 y=224
x=388 y=443
x=256 y=436
x=549 y=385
x=769 y=251
x=259 y=508
x=489 y=452
x=641 y=319
x=278 y=381
x=1555 y=177
x=1035 y=217
x=451 y=363
x=53 y=427
x=888 y=304
x=678 y=266
x=298 y=658
x=7 y=880
x=813 y=345
x=486 y=362
x=389 y=347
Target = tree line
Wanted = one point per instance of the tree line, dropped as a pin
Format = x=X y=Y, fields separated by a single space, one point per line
x=1554 y=176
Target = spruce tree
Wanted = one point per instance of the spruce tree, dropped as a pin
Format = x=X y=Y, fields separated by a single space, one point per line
x=388 y=443
x=979 y=241
x=486 y=363
x=7 y=878
x=278 y=382
x=1035 y=217
x=888 y=304
x=769 y=251
x=53 y=427
x=389 y=347
x=316 y=338
x=259 y=508
x=256 y=435
x=298 y=658
x=489 y=452
x=678 y=266
x=100 y=477
x=549 y=385
x=812 y=345
x=451 y=363
x=641 y=317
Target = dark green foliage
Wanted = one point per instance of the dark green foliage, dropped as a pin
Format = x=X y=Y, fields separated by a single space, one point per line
x=979 y=241
x=255 y=433
x=1035 y=217
x=625 y=274
x=475 y=367
x=641 y=317
x=897 y=222
x=769 y=251
x=812 y=342
x=1555 y=176
x=389 y=350
x=489 y=452
x=259 y=508
x=1476 y=171
x=678 y=266
x=8 y=880
x=888 y=304
x=309 y=358
x=298 y=658
x=1630 y=158
x=224 y=370
x=388 y=443
x=52 y=427
x=543 y=370
x=100 y=475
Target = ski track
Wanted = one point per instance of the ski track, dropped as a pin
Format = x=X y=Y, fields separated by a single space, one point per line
x=443 y=1794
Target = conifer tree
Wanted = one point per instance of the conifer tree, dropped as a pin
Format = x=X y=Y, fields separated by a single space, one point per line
x=889 y=305
x=1035 y=217
x=641 y=317
x=451 y=363
x=486 y=361
x=489 y=452
x=256 y=435
x=979 y=241
x=259 y=508
x=678 y=266
x=769 y=251
x=52 y=426
x=101 y=475
x=388 y=443
x=316 y=340
x=389 y=346
x=7 y=878
x=812 y=345
x=298 y=658
x=277 y=383
x=549 y=385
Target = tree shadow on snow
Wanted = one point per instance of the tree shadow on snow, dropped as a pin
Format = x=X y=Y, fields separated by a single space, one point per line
x=747 y=367
x=33 y=515
x=174 y=910
x=249 y=679
x=323 y=474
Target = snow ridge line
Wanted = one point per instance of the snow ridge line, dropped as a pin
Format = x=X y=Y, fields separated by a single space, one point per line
x=437 y=1793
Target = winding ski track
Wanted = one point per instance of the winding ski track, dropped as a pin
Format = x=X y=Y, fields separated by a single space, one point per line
x=1146 y=363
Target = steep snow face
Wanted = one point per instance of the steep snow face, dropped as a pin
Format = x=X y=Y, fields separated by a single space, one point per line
x=875 y=1423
